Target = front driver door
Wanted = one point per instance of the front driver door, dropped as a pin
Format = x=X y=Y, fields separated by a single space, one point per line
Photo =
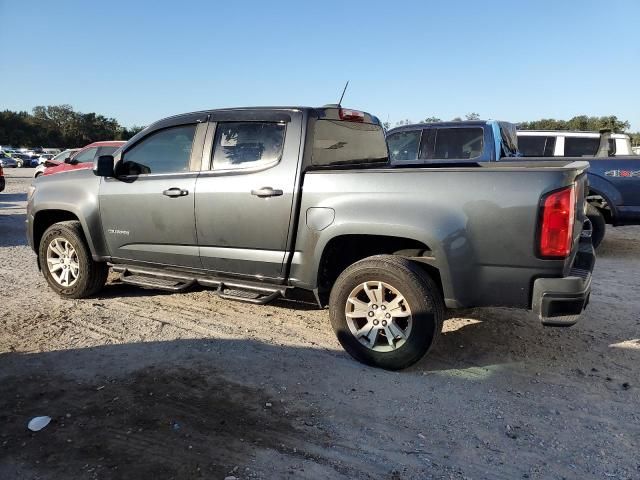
x=147 y=210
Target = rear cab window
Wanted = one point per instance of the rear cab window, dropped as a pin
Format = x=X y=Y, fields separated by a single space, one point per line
x=342 y=142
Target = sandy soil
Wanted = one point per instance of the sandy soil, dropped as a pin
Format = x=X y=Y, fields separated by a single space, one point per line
x=143 y=384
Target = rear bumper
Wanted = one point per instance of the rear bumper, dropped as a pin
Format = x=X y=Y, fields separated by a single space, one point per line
x=560 y=301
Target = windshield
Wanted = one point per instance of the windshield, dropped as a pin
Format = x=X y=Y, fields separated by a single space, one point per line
x=62 y=155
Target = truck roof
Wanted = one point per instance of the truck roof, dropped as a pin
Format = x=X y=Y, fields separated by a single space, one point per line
x=572 y=133
x=451 y=123
x=326 y=111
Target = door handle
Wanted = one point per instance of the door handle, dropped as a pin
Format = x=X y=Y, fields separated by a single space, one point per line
x=175 y=192
x=266 y=192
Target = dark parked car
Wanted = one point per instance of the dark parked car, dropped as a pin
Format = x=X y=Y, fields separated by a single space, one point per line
x=7 y=162
x=2 y=183
x=215 y=198
x=25 y=160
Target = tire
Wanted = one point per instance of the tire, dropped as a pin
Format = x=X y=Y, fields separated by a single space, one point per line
x=598 y=225
x=18 y=164
x=85 y=277
x=37 y=174
x=399 y=278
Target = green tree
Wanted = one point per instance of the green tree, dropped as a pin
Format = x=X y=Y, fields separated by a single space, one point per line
x=431 y=120
x=59 y=126
x=472 y=116
x=580 y=122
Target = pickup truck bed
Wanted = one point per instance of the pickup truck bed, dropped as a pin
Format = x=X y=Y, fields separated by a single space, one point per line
x=477 y=235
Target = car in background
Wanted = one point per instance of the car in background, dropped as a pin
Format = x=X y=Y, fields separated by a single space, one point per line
x=560 y=143
x=7 y=162
x=44 y=157
x=55 y=161
x=1 y=179
x=25 y=159
x=84 y=158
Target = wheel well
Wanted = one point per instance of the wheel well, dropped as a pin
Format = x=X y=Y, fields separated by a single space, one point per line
x=601 y=202
x=44 y=219
x=345 y=250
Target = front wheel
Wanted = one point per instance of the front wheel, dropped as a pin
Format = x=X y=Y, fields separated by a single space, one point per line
x=386 y=311
x=598 y=225
x=67 y=264
x=18 y=163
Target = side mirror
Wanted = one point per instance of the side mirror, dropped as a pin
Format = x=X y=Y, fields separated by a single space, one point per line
x=67 y=160
x=103 y=166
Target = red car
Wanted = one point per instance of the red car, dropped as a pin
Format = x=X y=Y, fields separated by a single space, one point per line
x=84 y=157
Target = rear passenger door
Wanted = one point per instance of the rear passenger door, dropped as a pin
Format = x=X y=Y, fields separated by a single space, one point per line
x=245 y=193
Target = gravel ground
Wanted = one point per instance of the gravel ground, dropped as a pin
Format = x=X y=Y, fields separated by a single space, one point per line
x=143 y=384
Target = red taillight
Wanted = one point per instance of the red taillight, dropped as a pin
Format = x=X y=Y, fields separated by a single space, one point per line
x=351 y=115
x=556 y=227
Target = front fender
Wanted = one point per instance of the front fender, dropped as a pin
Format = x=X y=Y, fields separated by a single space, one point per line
x=75 y=192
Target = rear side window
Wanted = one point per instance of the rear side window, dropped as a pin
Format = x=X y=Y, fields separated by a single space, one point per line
x=458 y=143
x=341 y=143
x=580 y=146
x=536 y=146
x=247 y=144
x=164 y=151
x=404 y=146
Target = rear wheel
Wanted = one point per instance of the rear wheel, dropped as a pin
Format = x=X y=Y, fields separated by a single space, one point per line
x=67 y=264
x=598 y=225
x=386 y=311
x=19 y=163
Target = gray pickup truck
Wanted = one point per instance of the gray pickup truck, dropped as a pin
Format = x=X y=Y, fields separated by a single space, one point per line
x=261 y=203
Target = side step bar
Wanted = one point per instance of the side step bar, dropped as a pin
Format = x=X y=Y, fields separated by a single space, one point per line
x=251 y=292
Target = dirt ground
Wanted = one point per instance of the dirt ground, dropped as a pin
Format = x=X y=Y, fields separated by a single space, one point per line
x=144 y=384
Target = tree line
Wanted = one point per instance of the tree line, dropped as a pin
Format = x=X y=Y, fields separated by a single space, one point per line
x=579 y=122
x=59 y=126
